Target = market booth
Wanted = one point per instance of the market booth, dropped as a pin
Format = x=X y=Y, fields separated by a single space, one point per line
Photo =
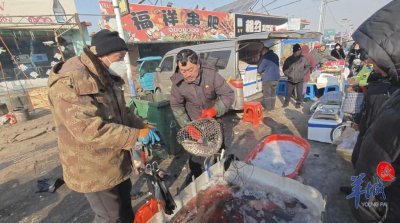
x=329 y=113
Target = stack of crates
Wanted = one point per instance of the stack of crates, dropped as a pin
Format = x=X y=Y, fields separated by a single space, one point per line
x=157 y=110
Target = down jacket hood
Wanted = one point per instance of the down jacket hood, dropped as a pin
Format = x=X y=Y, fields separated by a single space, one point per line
x=379 y=36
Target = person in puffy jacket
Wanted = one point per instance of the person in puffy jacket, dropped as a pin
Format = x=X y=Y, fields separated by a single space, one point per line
x=338 y=52
x=379 y=35
x=321 y=55
x=95 y=129
x=197 y=92
x=305 y=51
x=295 y=68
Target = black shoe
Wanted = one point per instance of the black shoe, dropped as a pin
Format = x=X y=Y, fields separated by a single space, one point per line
x=285 y=105
x=346 y=190
x=297 y=106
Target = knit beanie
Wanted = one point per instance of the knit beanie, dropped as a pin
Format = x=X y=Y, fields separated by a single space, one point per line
x=105 y=42
x=296 y=47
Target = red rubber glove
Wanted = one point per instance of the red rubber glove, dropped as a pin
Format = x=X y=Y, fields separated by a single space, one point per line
x=194 y=133
x=208 y=113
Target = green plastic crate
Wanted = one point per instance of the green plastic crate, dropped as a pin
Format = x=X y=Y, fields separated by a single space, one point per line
x=157 y=110
x=140 y=104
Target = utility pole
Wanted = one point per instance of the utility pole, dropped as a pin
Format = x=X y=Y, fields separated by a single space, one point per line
x=322 y=11
x=322 y=16
x=117 y=13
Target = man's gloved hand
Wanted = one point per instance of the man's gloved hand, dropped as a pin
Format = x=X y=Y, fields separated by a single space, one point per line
x=208 y=113
x=194 y=133
x=148 y=135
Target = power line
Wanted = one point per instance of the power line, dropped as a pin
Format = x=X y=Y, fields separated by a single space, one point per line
x=335 y=20
x=285 y=5
x=333 y=16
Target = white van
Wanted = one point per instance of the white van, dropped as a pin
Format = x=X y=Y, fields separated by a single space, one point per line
x=236 y=60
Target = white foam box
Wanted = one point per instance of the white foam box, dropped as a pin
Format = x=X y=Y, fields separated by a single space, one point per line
x=320 y=129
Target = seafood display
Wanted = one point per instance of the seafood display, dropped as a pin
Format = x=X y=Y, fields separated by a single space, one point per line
x=229 y=203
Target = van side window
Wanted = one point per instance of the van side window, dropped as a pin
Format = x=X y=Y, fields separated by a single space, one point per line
x=167 y=64
x=219 y=59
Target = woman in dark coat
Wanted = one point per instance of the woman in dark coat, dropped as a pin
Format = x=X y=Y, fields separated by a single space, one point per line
x=355 y=53
x=338 y=52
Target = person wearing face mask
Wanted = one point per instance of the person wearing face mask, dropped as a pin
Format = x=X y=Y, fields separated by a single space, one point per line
x=295 y=68
x=338 y=52
x=198 y=92
x=355 y=55
x=95 y=129
x=320 y=55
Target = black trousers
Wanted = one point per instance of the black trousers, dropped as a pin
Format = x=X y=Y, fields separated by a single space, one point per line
x=269 y=93
x=112 y=205
x=298 y=87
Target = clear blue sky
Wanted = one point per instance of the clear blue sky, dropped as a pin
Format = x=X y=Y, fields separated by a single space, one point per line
x=354 y=10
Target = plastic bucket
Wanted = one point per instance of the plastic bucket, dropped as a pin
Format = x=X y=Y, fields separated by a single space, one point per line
x=302 y=144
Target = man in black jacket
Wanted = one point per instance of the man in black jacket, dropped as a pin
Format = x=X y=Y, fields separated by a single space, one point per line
x=295 y=67
x=379 y=35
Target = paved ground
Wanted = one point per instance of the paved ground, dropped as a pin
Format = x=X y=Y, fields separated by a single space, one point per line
x=28 y=152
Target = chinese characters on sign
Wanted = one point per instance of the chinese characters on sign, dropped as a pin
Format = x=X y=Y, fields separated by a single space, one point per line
x=170 y=17
x=247 y=24
x=193 y=19
x=142 y=20
x=255 y=26
x=213 y=22
x=155 y=23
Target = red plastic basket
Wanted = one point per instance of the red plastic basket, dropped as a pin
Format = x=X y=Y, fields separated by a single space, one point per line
x=303 y=144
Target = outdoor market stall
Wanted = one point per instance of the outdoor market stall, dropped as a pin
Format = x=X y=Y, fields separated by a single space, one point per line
x=329 y=113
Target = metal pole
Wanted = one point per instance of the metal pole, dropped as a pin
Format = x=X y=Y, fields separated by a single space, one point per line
x=78 y=21
x=126 y=59
x=341 y=38
x=5 y=82
x=58 y=45
x=321 y=15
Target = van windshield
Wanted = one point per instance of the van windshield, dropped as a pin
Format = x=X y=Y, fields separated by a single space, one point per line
x=219 y=59
x=149 y=67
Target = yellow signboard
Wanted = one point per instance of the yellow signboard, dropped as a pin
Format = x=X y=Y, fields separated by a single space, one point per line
x=123 y=7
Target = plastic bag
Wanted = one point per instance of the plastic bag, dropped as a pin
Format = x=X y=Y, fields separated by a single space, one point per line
x=346 y=142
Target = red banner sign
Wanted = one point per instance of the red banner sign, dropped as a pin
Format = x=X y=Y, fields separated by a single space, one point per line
x=156 y=23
